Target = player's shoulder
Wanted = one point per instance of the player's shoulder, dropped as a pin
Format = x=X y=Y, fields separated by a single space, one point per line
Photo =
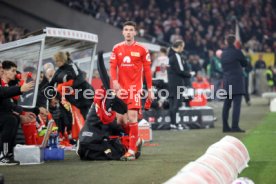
x=139 y=45
x=118 y=45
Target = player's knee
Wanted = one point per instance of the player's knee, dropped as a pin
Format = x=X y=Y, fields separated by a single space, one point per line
x=133 y=117
x=120 y=121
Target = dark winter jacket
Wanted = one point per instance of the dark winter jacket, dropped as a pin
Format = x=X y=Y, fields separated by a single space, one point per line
x=68 y=72
x=232 y=61
x=178 y=72
x=7 y=104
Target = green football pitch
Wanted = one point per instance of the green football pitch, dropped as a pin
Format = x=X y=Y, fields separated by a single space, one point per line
x=166 y=155
x=262 y=148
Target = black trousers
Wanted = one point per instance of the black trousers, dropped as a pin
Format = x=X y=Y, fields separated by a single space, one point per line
x=236 y=111
x=84 y=111
x=174 y=106
x=8 y=130
x=65 y=120
x=246 y=95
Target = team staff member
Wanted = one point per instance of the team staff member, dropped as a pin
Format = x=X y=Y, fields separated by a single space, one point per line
x=128 y=61
x=68 y=70
x=232 y=61
x=179 y=76
x=9 y=112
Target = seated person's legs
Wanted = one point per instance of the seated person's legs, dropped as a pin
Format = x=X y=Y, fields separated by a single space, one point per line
x=8 y=129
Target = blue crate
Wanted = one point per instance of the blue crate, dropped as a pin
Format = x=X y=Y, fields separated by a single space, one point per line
x=53 y=154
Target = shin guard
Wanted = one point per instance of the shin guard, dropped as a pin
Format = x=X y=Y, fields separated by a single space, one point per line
x=133 y=136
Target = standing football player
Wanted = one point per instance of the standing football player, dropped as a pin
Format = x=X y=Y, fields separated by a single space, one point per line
x=129 y=63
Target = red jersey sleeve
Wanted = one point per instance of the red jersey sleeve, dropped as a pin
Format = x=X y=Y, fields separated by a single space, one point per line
x=147 y=69
x=113 y=66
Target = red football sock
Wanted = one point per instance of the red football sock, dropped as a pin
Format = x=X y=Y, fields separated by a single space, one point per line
x=133 y=136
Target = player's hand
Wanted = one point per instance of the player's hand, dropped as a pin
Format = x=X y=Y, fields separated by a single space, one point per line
x=31 y=115
x=150 y=95
x=27 y=86
x=116 y=86
x=28 y=117
x=24 y=76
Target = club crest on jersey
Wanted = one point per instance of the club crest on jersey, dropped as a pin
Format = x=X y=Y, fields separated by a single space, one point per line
x=126 y=59
x=135 y=54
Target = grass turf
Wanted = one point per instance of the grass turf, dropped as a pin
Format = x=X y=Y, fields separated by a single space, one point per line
x=262 y=148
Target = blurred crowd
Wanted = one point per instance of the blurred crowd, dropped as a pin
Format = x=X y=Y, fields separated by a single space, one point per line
x=202 y=24
x=9 y=32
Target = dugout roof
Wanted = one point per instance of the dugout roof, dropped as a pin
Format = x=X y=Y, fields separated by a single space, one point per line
x=39 y=48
